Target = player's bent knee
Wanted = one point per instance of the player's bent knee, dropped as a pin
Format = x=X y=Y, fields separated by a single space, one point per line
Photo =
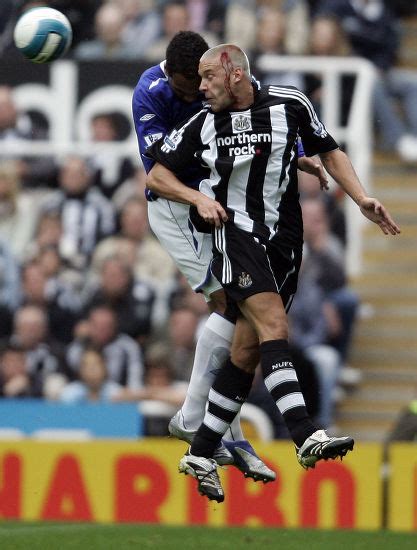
x=246 y=358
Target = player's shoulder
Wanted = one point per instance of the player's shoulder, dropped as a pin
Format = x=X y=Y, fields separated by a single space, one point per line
x=154 y=81
x=284 y=94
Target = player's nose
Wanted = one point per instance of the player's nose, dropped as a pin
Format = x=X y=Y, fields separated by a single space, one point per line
x=203 y=86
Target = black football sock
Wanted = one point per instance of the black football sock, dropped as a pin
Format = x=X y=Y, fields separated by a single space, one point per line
x=282 y=383
x=226 y=397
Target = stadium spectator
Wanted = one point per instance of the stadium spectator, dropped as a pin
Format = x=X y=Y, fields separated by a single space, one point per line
x=332 y=200
x=57 y=298
x=48 y=232
x=18 y=210
x=138 y=247
x=110 y=170
x=14 y=379
x=175 y=18
x=131 y=299
x=327 y=38
x=122 y=354
x=16 y=127
x=324 y=261
x=93 y=384
x=142 y=24
x=44 y=356
x=207 y=16
x=372 y=29
x=160 y=385
x=56 y=271
x=182 y=329
x=10 y=293
x=245 y=14
x=86 y=215
x=270 y=39
x=133 y=187
x=109 y=43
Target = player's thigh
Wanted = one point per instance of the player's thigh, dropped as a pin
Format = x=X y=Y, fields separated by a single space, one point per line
x=266 y=313
x=190 y=249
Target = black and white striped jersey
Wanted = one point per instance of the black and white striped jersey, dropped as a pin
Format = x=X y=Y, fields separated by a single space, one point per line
x=86 y=219
x=251 y=157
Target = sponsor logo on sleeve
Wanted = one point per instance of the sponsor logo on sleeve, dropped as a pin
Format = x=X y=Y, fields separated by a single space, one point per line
x=151 y=138
x=319 y=129
x=172 y=141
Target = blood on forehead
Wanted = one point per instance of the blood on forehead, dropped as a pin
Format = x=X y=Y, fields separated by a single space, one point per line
x=228 y=67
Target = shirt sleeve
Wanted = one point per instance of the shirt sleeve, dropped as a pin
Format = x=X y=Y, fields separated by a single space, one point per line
x=314 y=136
x=149 y=117
x=179 y=149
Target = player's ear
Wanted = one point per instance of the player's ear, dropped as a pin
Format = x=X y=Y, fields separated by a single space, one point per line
x=237 y=74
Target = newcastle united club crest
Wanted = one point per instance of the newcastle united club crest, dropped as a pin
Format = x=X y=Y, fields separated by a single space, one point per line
x=244 y=280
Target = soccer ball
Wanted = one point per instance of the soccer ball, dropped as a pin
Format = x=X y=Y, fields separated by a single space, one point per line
x=43 y=34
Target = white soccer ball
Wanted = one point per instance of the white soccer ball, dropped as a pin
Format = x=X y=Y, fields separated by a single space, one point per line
x=43 y=34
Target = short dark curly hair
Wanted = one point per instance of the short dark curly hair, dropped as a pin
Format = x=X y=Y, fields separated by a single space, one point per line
x=183 y=53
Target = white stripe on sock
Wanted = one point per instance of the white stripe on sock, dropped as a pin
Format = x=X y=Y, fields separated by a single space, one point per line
x=290 y=401
x=280 y=376
x=215 y=424
x=223 y=402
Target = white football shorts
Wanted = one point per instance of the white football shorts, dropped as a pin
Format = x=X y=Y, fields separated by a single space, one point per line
x=190 y=249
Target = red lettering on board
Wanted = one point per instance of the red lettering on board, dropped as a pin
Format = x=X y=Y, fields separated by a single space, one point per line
x=11 y=484
x=142 y=485
x=344 y=485
x=67 y=496
x=244 y=504
x=197 y=505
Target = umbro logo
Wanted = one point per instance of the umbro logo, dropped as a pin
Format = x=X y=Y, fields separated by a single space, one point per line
x=146 y=117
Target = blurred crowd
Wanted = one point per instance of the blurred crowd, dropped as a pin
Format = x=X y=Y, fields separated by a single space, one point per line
x=91 y=306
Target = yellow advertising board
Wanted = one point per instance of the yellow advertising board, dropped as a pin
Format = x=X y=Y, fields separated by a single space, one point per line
x=118 y=481
x=402 y=487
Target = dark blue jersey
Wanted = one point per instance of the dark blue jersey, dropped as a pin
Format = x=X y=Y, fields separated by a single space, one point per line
x=157 y=110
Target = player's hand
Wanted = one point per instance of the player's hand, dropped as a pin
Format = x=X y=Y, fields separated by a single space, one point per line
x=210 y=210
x=314 y=167
x=377 y=213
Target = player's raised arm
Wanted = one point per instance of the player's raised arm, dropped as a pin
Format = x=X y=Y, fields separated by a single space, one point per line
x=338 y=165
x=162 y=181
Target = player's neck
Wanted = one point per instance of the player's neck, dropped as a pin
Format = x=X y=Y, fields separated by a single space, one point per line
x=244 y=99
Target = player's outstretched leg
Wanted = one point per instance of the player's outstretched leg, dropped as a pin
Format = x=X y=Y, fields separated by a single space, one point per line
x=319 y=446
x=204 y=470
x=282 y=382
